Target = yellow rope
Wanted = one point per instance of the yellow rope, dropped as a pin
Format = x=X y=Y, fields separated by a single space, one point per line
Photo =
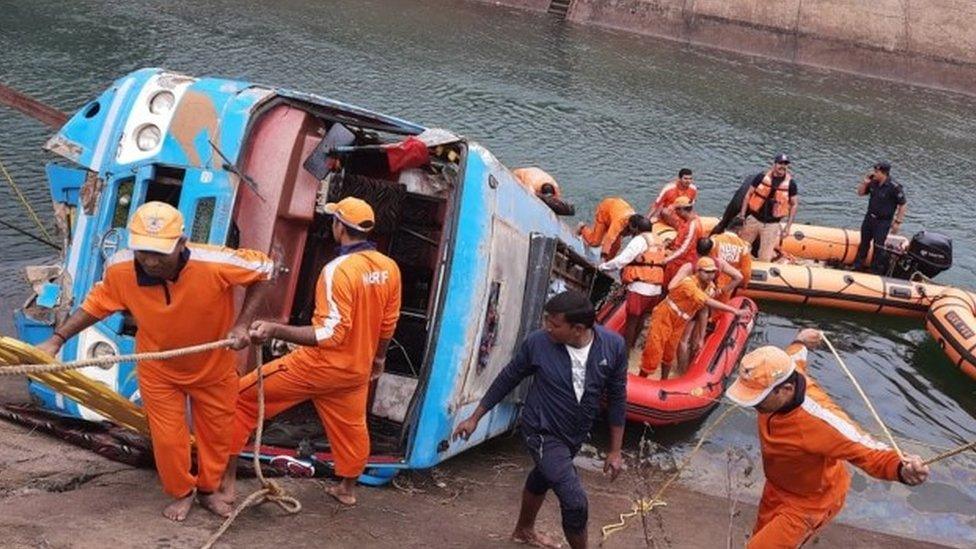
x=950 y=453
x=864 y=396
x=28 y=369
x=270 y=490
x=23 y=200
x=645 y=505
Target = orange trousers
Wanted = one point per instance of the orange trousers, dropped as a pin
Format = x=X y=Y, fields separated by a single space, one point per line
x=595 y=236
x=339 y=402
x=780 y=525
x=212 y=407
x=663 y=338
x=611 y=216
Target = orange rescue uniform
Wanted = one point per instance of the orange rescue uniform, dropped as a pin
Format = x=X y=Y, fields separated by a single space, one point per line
x=668 y=322
x=610 y=220
x=197 y=307
x=684 y=246
x=803 y=451
x=357 y=303
x=534 y=178
x=734 y=251
x=671 y=192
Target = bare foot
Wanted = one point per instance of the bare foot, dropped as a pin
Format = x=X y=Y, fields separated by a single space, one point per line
x=228 y=483
x=227 y=492
x=535 y=539
x=178 y=510
x=227 y=496
x=341 y=495
x=215 y=504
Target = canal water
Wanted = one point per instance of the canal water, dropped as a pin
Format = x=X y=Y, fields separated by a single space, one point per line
x=607 y=113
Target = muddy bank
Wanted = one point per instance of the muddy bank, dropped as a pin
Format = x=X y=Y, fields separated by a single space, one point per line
x=53 y=495
x=56 y=495
x=926 y=42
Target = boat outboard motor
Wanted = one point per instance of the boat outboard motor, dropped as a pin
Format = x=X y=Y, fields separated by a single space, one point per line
x=927 y=253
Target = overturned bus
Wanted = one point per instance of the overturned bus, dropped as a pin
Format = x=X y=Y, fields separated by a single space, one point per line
x=251 y=166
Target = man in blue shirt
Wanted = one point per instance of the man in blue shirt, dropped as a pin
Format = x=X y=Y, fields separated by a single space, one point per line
x=574 y=363
x=886 y=210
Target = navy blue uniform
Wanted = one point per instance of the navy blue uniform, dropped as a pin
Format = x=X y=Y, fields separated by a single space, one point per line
x=553 y=423
x=884 y=200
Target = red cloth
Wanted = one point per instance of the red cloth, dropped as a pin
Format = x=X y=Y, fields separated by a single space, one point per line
x=409 y=153
x=638 y=304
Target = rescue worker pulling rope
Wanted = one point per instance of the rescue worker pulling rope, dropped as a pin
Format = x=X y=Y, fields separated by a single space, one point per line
x=162 y=282
x=805 y=439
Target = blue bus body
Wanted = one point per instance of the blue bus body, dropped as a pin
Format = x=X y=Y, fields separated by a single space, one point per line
x=489 y=251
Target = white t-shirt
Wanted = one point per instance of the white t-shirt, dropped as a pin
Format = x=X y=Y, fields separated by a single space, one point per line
x=578 y=356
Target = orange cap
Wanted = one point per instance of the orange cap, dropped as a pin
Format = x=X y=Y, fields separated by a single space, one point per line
x=759 y=373
x=706 y=264
x=352 y=212
x=681 y=202
x=155 y=227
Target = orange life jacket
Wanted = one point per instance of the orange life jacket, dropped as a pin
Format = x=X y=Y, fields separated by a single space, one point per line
x=649 y=266
x=534 y=178
x=780 y=195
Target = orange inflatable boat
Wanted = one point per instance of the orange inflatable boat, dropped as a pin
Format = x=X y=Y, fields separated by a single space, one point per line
x=805 y=276
x=816 y=285
x=690 y=396
x=952 y=322
x=827 y=245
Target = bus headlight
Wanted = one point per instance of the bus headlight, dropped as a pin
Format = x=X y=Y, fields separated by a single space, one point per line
x=148 y=137
x=101 y=350
x=162 y=102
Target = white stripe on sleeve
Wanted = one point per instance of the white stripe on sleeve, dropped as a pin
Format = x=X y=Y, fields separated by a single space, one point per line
x=335 y=315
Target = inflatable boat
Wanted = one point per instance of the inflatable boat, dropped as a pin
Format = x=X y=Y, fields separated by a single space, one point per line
x=812 y=271
x=952 y=322
x=690 y=396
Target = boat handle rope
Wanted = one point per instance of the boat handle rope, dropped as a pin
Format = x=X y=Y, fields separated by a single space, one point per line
x=779 y=274
x=920 y=289
x=851 y=281
x=800 y=235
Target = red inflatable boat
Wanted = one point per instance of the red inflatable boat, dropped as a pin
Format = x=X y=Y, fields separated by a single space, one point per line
x=690 y=396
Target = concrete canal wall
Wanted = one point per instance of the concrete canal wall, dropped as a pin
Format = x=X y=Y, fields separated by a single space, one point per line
x=927 y=42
